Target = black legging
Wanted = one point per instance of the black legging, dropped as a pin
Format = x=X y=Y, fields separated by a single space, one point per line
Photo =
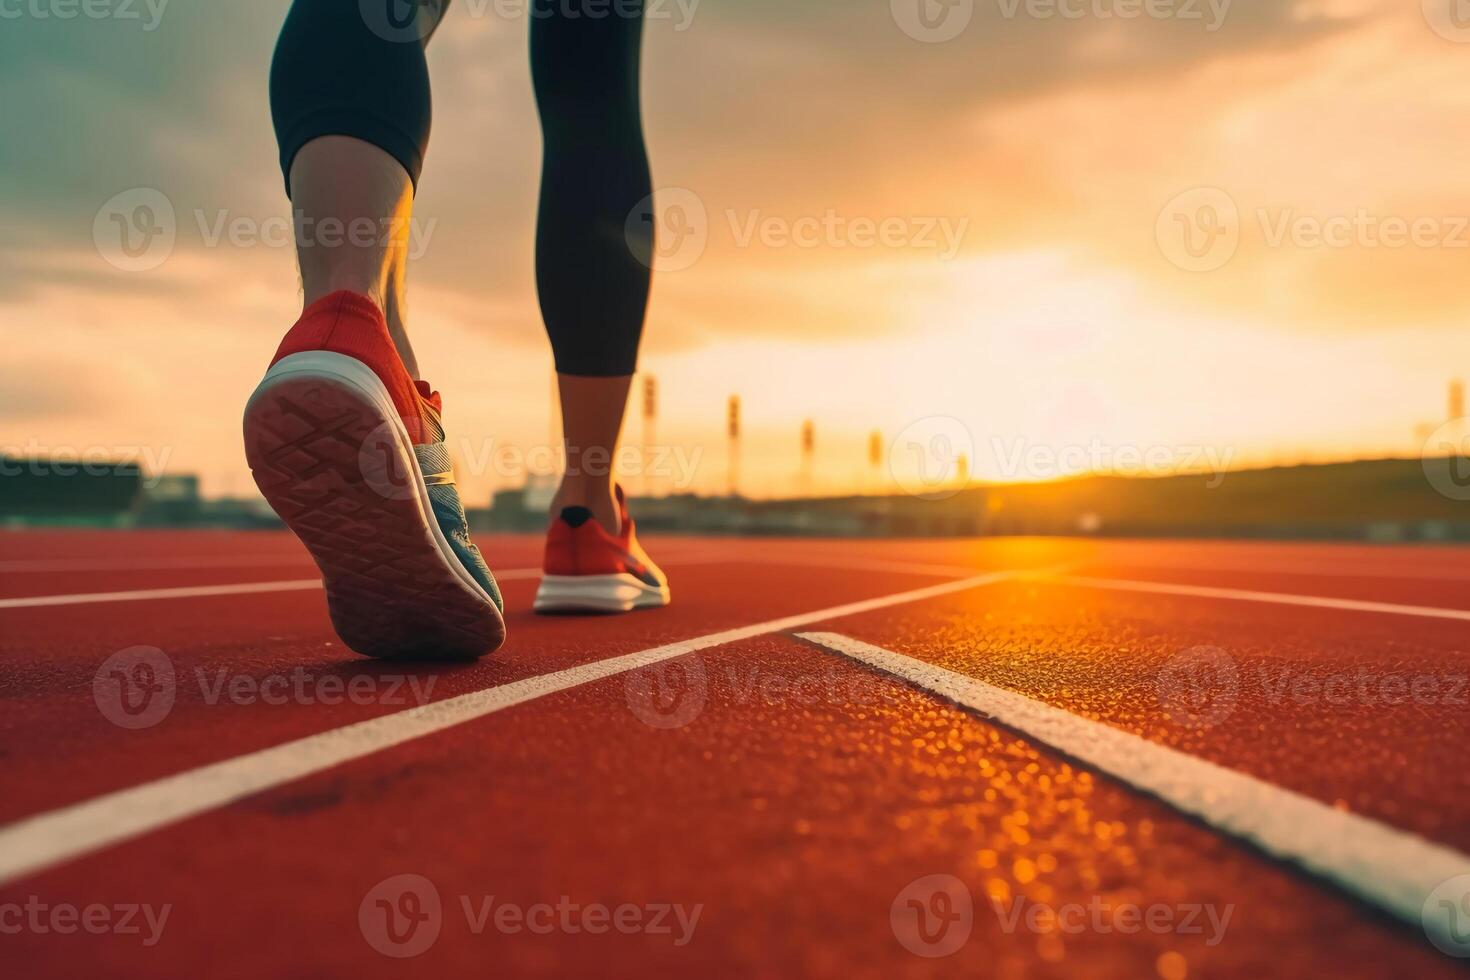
x=357 y=68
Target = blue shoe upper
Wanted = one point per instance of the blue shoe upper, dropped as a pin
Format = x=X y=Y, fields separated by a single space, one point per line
x=449 y=514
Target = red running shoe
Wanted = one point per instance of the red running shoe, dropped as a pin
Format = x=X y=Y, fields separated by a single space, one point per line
x=588 y=570
x=349 y=451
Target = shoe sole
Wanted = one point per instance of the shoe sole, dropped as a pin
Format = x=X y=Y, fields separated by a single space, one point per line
x=330 y=453
x=597 y=593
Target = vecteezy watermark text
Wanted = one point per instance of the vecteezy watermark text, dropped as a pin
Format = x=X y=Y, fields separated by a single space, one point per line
x=1020 y=460
x=137 y=687
x=831 y=229
x=566 y=916
x=35 y=458
x=1211 y=13
x=147 y=13
x=933 y=917
x=412 y=21
x=676 y=465
x=137 y=230
x=302 y=231
x=671 y=694
x=1200 y=230
x=680 y=12
x=1201 y=687
x=1101 y=916
x=403 y=916
x=43 y=918
x=670 y=230
x=938 y=21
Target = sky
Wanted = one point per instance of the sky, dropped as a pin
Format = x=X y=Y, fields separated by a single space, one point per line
x=1045 y=235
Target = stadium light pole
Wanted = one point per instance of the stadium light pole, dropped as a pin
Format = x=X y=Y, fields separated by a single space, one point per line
x=650 y=420
x=554 y=435
x=1457 y=410
x=808 y=455
x=733 y=432
x=875 y=460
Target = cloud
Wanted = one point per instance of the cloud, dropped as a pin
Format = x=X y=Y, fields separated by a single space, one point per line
x=1052 y=136
x=57 y=385
x=757 y=106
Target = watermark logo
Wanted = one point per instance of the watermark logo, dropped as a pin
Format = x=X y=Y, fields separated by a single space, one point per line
x=668 y=231
x=930 y=458
x=136 y=230
x=401 y=916
x=932 y=21
x=933 y=916
x=402 y=21
x=1445 y=457
x=1446 y=916
x=1199 y=230
x=1199 y=687
x=385 y=465
x=1450 y=19
x=135 y=688
x=669 y=694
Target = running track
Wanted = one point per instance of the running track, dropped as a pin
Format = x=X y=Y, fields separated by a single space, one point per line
x=1257 y=750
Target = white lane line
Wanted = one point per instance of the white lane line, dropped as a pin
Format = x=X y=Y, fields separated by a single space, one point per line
x=32 y=565
x=504 y=575
x=82 y=598
x=197 y=591
x=862 y=564
x=1248 y=595
x=60 y=835
x=1389 y=868
x=1205 y=564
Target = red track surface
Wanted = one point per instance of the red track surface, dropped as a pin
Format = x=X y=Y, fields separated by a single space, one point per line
x=798 y=799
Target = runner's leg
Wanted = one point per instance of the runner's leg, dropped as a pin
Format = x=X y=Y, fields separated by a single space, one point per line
x=350 y=99
x=592 y=274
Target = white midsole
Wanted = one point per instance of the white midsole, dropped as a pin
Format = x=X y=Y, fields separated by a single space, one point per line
x=614 y=592
x=351 y=373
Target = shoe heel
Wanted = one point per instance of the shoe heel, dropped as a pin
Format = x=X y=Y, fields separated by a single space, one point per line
x=340 y=472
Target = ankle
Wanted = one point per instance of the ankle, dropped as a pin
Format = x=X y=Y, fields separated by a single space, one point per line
x=596 y=496
x=320 y=287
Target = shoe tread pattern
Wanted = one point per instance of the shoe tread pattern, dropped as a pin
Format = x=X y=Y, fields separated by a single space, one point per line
x=389 y=591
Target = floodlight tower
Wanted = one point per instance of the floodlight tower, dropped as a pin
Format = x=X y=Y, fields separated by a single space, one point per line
x=808 y=455
x=553 y=424
x=875 y=459
x=733 y=432
x=650 y=428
